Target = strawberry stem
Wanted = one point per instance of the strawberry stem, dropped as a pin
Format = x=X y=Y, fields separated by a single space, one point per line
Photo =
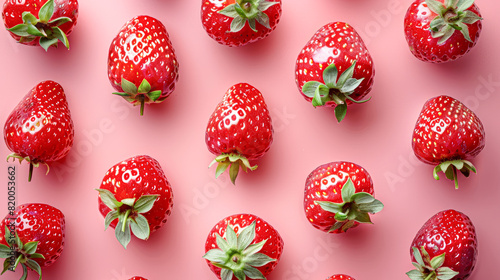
x=30 y=172
x=125 y=218
x=141 y=98
x=455 y=177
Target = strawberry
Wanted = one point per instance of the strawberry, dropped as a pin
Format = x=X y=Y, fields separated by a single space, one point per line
x=40 y=129
x=142 y=65
x=334 y=68
x=340 y=277
x=31 y=235
x=444 y=248
x=448 y=134
x=339 y=196
x=138 y=278
x=239 y=130
x=442 y=30
x=241 y=246
x=135 y=195
x=226 y=20
x=40 y=22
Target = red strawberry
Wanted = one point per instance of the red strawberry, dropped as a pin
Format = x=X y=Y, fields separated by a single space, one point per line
x=338 y=196
x=31 y=235
x=40 y=129
x=239 y=130
x=335 y=68
x=142 y=65
x=444 y=248
x=448 y=134
x=40 y=22
x=135 y=195
x=442 y=30
x=226 y=20
x=241 y=246
x=137 y=278
x=340 y=277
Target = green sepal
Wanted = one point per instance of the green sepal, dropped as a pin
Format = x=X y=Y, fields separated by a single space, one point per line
x=450 y=169
x=128 y=87
x=353 y=208
x=60 y=21
x=6 y=266
x=61 y=36
x=251 y=12
x=15 y=156
x=45 y=42
x=234 y=162
x=35 y=267
x=46 y=11
x=140 y=227
x=123 y=236
x=29 y=18
x=237 y=256
x=5 y=251
x=154 y=95
x=145 y=203
x=427 y=268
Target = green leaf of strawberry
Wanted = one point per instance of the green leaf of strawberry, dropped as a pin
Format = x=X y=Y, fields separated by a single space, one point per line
x=250 y=11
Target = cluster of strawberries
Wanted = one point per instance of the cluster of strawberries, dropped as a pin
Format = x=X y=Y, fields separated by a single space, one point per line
x=334 y=69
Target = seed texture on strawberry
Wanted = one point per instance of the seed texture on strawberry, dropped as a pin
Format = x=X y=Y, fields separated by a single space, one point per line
x=340 y=277
x=334 y=68
x=448 y=134
x=40 y=130
x=243 y=246
x=136 y=197
x=442 y=30
x=142 y=65
x=239 y=22
x=339 y=196
x=239 y=130
x=40 y=22
x=32 y=234
x=138 y=278
x=445 y=248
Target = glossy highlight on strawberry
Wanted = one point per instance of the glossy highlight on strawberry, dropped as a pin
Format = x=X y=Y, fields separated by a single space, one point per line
x=338 y=196
x=243 y=246
x=334 y=68
x=136 y=198
x=239 y=130
x=340 y=277
x=142 y=65
x=444 y=248
x=40 y=129
x=40 y=22
x=239 y=22
x=448 y=134
x=37 y=232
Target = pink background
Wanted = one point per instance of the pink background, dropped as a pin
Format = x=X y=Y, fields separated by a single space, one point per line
x=376 y=135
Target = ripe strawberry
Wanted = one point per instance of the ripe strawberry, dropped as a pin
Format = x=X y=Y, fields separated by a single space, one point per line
x=40 y=22
x=142 y=65
x=340 y=277
x=442 y=30
x=137 y=278
x=448 y=134
x=135 y=195
x=40 y=129
x=339 y=196
x=241 y=246
x=334 y=49
x=226 y=20
x=444 y=248
x=239 y=130
x=32 y=235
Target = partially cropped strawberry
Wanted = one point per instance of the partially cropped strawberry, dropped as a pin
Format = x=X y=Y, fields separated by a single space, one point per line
x=40 y=130
x=135 y=196
x=448 y=134
x=445 y=248
x=40 y=22
x=335 y=68
x=442 y=30
x=340 y=277
x=32 y=236
x=339 y=196
x=142 y=65
x=243 y=246
x=138 y=278
x=239 y=130
x=239 y=22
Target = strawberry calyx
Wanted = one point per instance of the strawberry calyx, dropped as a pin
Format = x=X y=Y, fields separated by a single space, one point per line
x=251 y=11
x=233 y=161
x=450 y=169
x=354 y=207
x=43 y=27
x=237 y=256
x=138 y=95
x=429 y=269
x=129 y=212
x=451 y=16
x=333 y=89
x=24 y=255
x=31 y=162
